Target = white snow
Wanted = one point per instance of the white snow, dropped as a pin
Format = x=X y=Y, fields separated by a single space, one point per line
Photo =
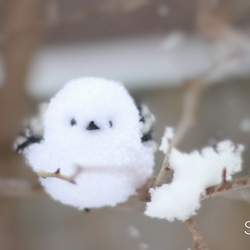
x=193 y=173
x=115 y=161
x=167 y=137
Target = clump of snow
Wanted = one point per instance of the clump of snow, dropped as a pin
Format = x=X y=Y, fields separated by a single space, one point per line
x=245 y=125
x=167 y=137
x=92 y=123
x=193 y=173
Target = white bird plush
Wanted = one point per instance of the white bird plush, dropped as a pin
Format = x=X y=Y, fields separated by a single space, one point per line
x=95 y=124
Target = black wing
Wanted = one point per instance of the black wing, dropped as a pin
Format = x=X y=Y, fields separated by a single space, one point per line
x=25 y=139
x=148 y=119
x=33 y=132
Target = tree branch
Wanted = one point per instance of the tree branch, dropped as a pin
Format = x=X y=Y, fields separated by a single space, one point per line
x=197 y=238
x=193 y=90
x=57 y=174
x=220 y=189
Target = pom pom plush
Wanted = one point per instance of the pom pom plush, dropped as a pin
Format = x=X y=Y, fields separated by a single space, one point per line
x=95 y=124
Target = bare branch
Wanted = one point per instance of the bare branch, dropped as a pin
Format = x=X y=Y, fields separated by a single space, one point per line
x=220 y=189
x=192 y=93
x=213 y=191
x=57 y=174
x=197 y=238
x=13 y=187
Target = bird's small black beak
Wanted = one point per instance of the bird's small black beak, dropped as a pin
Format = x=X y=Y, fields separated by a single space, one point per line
x=92 y=126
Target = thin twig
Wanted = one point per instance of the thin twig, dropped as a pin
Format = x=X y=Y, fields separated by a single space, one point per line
x=210 y=192
x=57 y=174
x=79 y=170
x=192 y=93
x=220 y=189
x=76 y=16
x=190 y=102
x=197 y=238
x=13 y=187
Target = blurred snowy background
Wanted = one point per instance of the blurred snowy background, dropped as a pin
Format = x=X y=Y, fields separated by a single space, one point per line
x=153 y=47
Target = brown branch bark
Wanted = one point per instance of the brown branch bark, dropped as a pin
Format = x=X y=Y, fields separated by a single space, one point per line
x=13 y=187
x=197 y=238
x=210 y=192
x=192 y=92
x=217 y=190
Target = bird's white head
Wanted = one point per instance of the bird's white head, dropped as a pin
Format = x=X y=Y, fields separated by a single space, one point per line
x=92 y=111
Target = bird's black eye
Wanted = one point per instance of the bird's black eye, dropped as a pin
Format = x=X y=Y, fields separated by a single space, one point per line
x=73 y=122
x=110 y=124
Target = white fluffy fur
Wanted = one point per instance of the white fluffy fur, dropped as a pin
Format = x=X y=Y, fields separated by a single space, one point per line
x=116 y=163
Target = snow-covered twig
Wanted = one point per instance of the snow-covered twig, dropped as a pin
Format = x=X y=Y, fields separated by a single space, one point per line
x=217 y=190
x=192 y=94
x=57 y=174
x=191 y=97
x=197 y=238
x=212 y=191
x=13 y=187
x=78 y=15
x=193 y=90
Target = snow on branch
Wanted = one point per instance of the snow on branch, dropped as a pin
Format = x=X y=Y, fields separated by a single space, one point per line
x=193 y=90
x=193 y=173
x=220 y=189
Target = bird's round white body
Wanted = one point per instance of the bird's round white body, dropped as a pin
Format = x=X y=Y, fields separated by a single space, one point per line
x=114 y=161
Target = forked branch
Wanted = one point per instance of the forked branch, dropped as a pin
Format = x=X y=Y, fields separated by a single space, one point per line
x=57 y=174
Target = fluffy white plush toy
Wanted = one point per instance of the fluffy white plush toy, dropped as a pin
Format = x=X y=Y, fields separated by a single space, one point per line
x=95 y=124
